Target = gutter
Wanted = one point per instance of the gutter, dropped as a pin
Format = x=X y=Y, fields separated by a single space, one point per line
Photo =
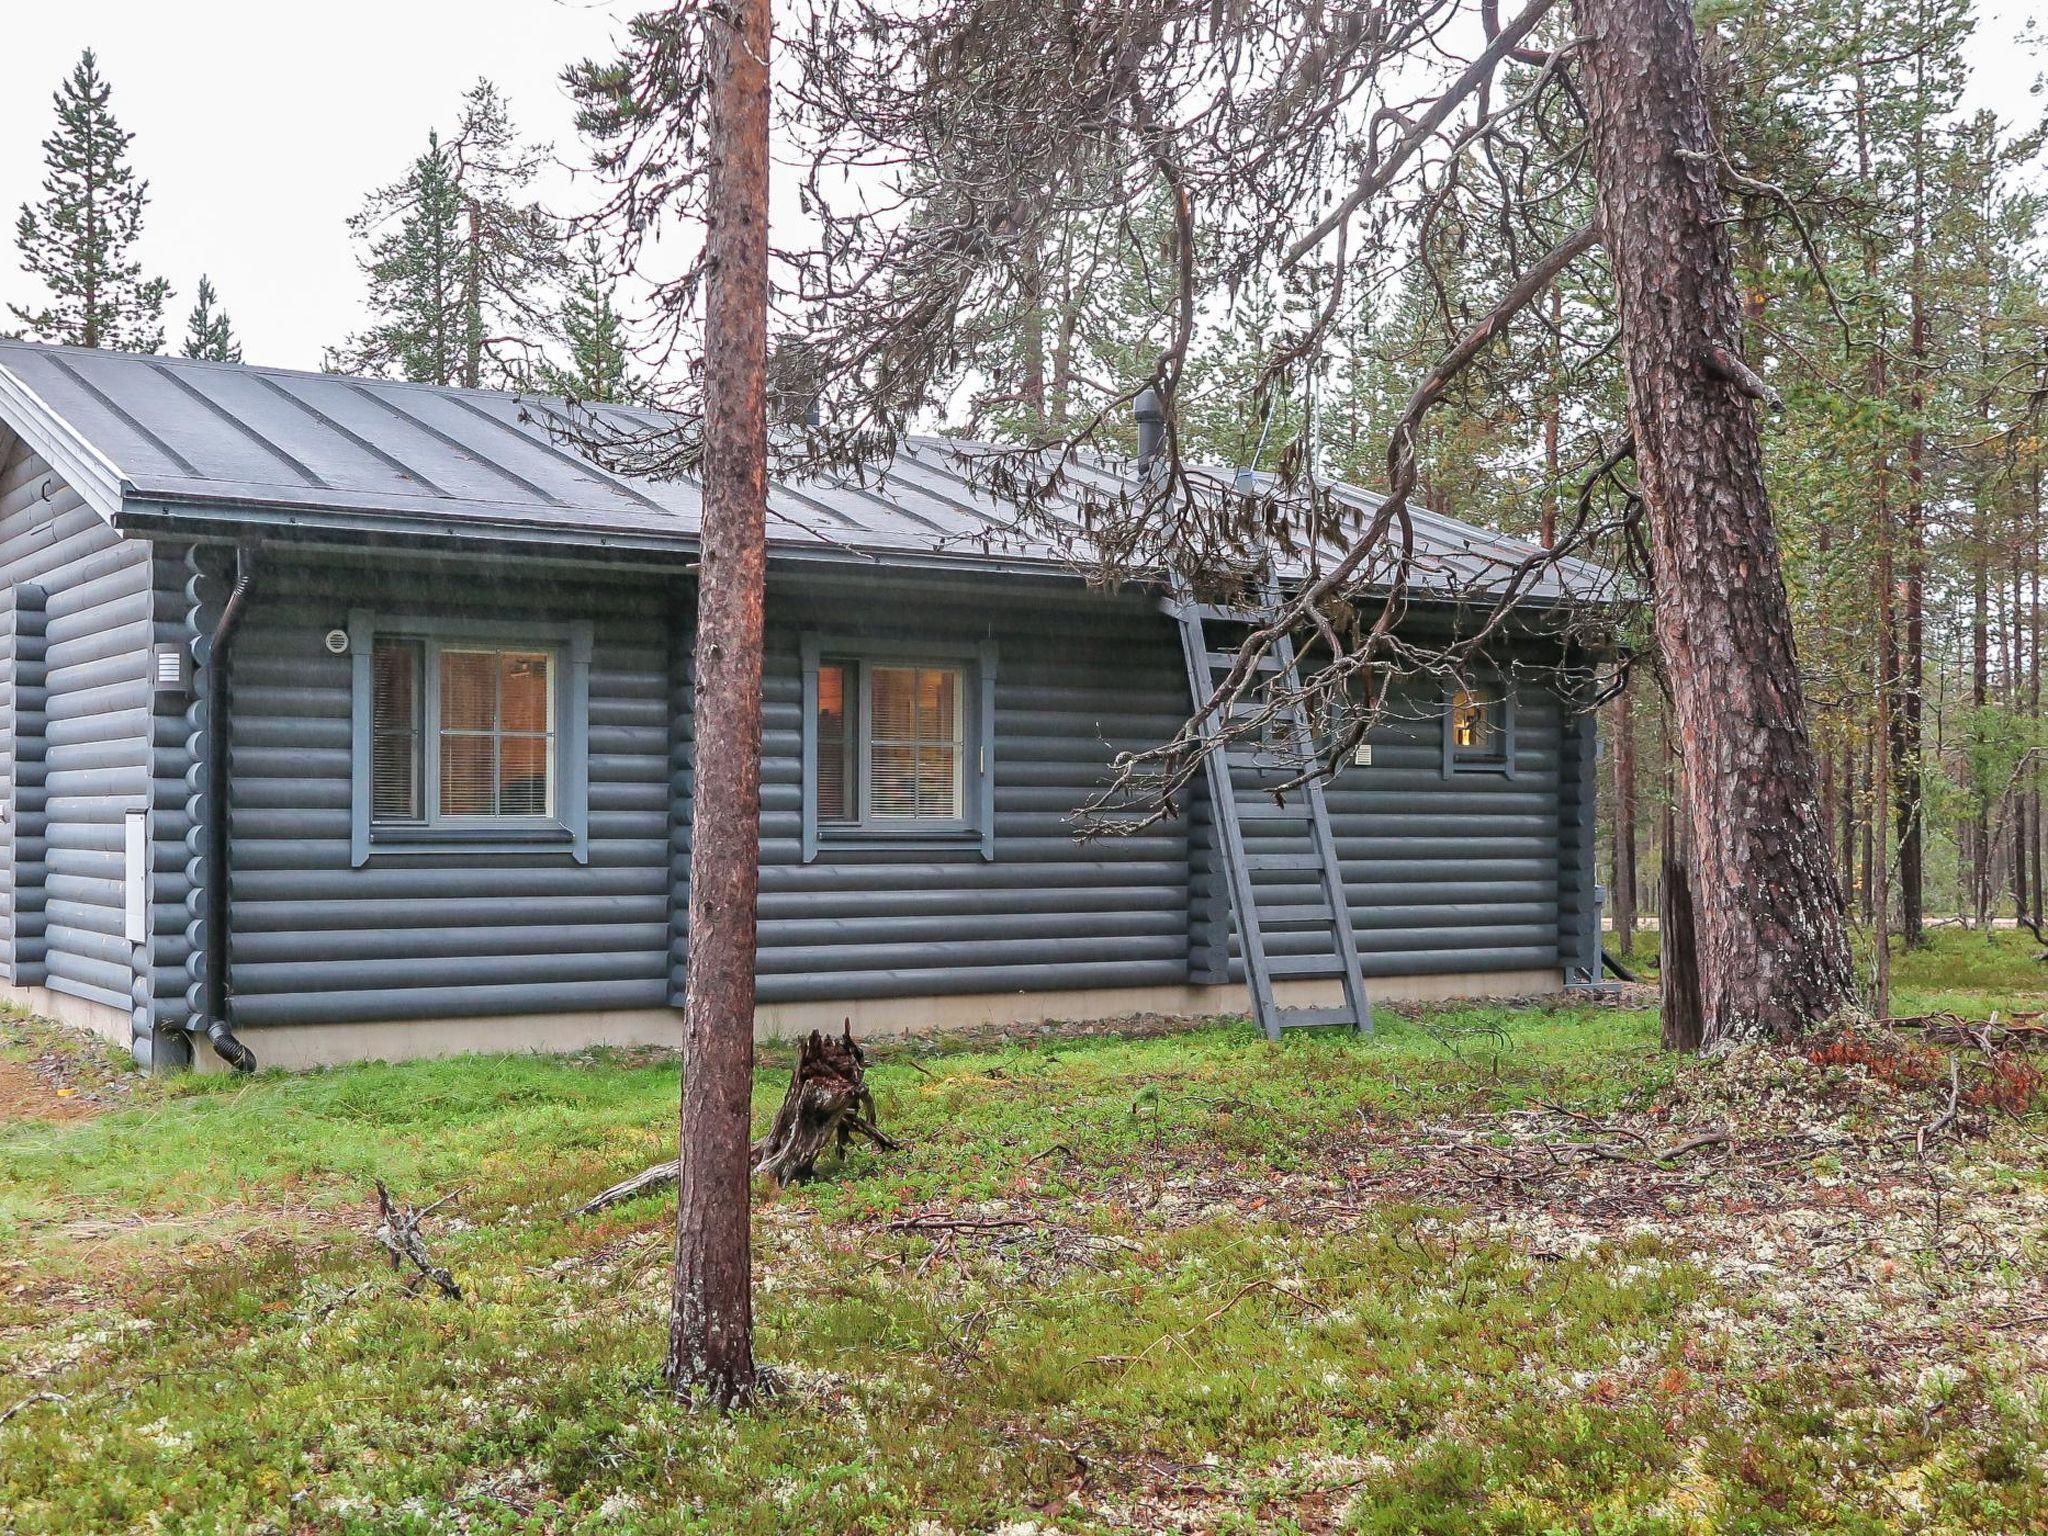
x=219 y=742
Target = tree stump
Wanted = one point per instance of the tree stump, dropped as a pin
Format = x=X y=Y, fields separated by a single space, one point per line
x=828 y=1104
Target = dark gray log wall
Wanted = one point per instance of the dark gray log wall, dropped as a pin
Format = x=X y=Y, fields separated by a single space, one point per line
x=316 y=941
x=1459 y=875
x=1446 y=873
x=1463 y=875
x=78 y=748
x=1078 y=677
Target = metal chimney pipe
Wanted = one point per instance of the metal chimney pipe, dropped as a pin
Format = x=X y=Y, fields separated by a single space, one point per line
x=1151 y=413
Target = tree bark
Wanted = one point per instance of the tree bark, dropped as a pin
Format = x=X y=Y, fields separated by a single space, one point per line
x=1681 y=1013
x=1773 y=951
x=711 y=1331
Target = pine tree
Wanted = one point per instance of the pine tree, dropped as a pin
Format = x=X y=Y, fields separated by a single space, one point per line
x=208 y=333
x=77 y=239
x=460 y=260
x=599 y=361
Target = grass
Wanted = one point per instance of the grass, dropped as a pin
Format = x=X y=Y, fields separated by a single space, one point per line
x=1229 y=1306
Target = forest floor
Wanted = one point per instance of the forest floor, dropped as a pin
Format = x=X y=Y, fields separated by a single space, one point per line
x=1497 y=1269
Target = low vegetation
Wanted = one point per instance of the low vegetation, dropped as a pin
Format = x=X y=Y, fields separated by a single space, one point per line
x=1498 y=1269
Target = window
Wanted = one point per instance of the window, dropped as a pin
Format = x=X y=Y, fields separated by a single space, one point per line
x=1479 y=730
x=492 y=751
x=469 y=737
x=896 y=746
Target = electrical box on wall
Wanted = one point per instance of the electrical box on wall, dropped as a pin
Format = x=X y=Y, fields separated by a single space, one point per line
x=135 y=903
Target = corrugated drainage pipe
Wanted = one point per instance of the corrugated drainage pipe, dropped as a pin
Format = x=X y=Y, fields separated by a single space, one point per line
x=218 y=744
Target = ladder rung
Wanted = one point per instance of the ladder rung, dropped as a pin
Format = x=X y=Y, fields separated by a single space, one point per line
x=1295 y=914
x=1226 y=613
x=1296 y=863
x=1223 y=661
x=1305 y=1018
x=1266 y=810
x=1304 y=965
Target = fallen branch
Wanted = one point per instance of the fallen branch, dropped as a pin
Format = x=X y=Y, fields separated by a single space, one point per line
x=940 y=1221
x=398 y=1229
x=660 y=1176
x=31 y=1400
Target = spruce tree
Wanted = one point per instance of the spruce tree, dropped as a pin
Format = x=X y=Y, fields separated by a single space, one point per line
x=208 y=333
x=599 y=362
x=78 y=238
x=460 y=259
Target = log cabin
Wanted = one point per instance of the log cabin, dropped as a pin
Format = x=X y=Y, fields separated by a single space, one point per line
x=344 y=718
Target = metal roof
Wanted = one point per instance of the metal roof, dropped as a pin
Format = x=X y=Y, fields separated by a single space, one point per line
x=165 y=440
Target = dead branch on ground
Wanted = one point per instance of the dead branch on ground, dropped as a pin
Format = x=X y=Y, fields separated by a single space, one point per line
x=398 y=1229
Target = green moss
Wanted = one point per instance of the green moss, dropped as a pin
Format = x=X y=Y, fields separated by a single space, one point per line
x=191 y=1273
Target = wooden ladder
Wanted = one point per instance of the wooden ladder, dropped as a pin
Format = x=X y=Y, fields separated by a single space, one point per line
x=1304 y=809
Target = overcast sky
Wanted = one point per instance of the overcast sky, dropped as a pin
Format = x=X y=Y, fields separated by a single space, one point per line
x=261 y=125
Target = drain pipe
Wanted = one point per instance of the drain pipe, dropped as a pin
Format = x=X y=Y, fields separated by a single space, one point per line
x=218 y=744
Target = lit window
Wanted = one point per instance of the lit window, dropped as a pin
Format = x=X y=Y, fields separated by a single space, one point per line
x=897 y=746
x=1478 y=729
x=469 y=737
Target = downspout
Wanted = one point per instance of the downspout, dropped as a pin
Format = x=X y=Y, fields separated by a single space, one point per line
x=219 y=740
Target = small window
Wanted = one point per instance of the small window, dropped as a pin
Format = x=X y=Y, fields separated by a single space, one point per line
x=1479 y=730
x=467 y=737
x=896 y=746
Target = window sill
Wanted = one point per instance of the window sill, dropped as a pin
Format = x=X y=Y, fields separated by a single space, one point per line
x=1497 y=770
x=862 y=840
x=449 y=842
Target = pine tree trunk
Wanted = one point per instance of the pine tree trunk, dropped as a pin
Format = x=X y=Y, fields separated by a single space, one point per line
x=1682 y=1016
x=711 y=1333
x=1905 y=741
x=2034 y=678
x=1980 y=697
x=1773 y=952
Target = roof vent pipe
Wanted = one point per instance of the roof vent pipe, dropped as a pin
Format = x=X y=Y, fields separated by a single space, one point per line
x=1151 y=414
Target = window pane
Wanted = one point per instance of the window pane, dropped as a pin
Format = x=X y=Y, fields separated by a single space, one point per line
x=525 y=698
x=1475 y=724
x=894 y=691
x=523 y=776
x=914 y=768
x=837 y=787
x=395 y=730
x=937 y=700
x=469 y=690
x=892 y=781
x=468 y=775
x=938 y=783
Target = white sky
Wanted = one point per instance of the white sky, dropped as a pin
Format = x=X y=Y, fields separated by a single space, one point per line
x=261 y=125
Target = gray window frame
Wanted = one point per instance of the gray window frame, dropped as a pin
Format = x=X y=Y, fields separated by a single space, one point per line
x=1501 y=764
x=975 y=828
x=565 y=831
